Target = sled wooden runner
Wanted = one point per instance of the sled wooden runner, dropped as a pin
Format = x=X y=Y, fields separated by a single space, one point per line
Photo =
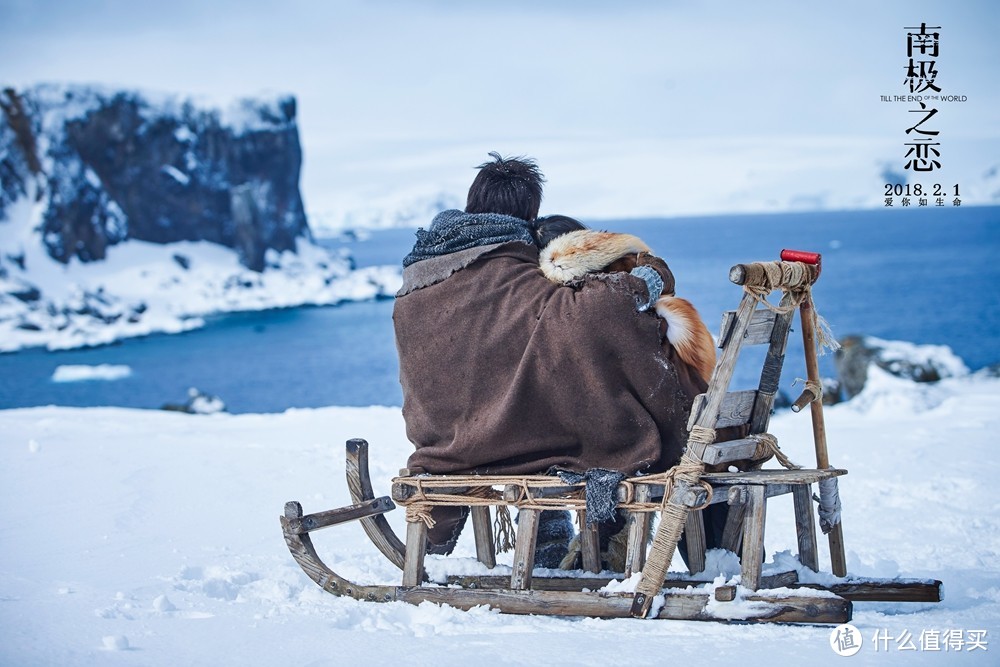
x=677 y=496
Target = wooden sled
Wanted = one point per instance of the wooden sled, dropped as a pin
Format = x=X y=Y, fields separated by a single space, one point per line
x=677 y=496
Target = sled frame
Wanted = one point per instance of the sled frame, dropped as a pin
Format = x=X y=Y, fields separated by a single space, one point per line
x=658 y=594
x=573 y=595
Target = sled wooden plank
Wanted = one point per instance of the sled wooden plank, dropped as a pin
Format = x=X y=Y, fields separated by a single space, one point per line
x=642 y=492
x=758 y=331
x=555 y=583
x=402 y=492
x=676 y=606
x=590 y=544
x=360 y=486
x=762 y=477
x=793 y=609
x=779 y=580
x=492 y=581
x=770 y=373
x=638 y=533
x=483 y=531
x=772 y=490
x=890 y=591
x=560 y=603
x=753 y=536
x=725 y=593
x=730 y=450
x=416 y=549
x=732 y=533
x=805 y=527
x=512 y=493
x=692 y=496
x=694 y=532
x=734 y=411
x=524 y=549
x=311 y=522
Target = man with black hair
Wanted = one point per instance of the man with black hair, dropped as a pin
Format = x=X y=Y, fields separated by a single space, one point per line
x=506 y=372
x=512 y=186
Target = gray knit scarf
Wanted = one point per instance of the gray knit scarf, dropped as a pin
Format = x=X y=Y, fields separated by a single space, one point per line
x=601 y=491
x=453 y=230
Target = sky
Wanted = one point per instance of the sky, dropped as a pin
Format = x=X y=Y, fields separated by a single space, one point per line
x=630 y=108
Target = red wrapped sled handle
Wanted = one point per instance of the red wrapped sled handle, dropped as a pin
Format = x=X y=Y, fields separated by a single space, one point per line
x=804 y=256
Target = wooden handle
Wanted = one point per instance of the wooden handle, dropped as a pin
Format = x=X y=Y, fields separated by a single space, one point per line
x=755 y=273
x=836 y=535
x=803 y=400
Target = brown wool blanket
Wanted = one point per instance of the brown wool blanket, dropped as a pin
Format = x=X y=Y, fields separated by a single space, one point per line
x=505 y=372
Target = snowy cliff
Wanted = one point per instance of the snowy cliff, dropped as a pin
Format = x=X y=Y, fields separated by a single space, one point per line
x=110 y=165
x=123 y=213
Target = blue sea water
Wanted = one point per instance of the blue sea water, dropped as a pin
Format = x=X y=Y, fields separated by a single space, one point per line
x=923 y=275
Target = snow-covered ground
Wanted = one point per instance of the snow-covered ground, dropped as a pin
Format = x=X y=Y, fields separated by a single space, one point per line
x=143 y=288
x=151 y=538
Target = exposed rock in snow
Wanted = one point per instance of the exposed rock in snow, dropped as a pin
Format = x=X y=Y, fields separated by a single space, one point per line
x=198 y=403
x=920 y=363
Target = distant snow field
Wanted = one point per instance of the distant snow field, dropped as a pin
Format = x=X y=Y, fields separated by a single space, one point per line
x=649 y=178
x=81 y=373
x=152 y=538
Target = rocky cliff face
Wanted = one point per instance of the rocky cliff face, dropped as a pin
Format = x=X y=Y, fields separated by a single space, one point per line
x=107 y=166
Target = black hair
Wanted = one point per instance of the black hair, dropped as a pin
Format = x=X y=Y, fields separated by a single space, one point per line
x=553 y=226
x=511 y=186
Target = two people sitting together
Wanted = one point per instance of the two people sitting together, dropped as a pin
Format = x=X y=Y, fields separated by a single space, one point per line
x=528 y=345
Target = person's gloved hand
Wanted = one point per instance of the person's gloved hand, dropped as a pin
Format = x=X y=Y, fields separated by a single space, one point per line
x=657 y=276
x=657 y=264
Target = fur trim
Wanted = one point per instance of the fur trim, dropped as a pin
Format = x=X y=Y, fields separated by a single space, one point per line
x=574 y=255
x=688 y=334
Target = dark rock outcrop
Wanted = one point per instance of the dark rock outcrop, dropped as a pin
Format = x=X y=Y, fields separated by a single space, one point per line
x=919 y=363
x=112 y=166
x=852 y=361
x=991 y=371
x=198 y=403
x=19 y=165
x=832 y=391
